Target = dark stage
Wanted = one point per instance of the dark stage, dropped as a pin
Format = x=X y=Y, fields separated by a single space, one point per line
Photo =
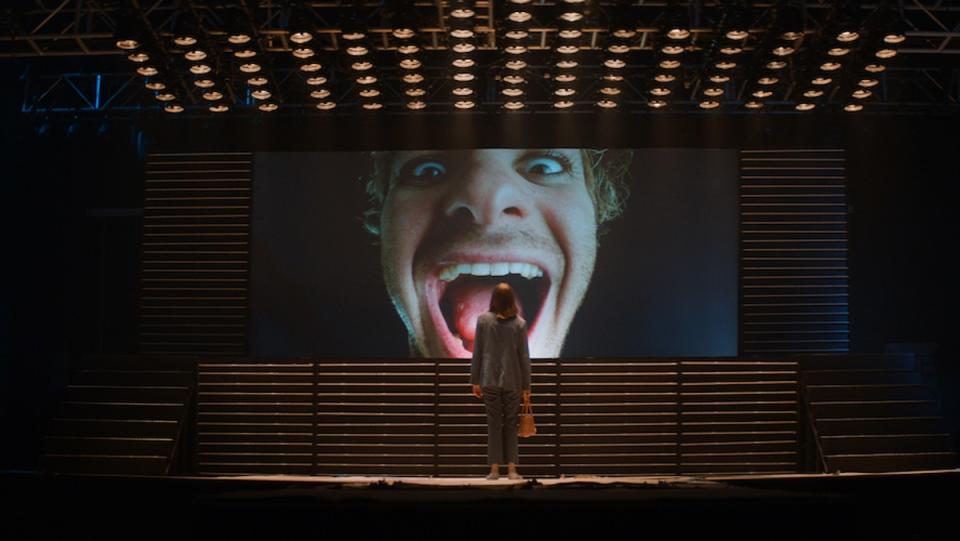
x=917 y=505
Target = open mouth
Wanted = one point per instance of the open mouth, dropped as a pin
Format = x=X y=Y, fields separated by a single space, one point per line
x=464 y=291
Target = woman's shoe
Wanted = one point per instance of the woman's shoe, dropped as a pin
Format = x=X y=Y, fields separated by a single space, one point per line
x=493 y=477
x=514 y=476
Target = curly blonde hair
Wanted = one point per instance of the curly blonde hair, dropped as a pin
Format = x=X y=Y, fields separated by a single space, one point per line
x=607 y=174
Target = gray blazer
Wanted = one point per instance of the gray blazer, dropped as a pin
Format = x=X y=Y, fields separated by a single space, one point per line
x=501 y=356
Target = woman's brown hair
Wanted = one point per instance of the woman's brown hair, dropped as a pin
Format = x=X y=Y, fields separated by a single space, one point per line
x=503 y=303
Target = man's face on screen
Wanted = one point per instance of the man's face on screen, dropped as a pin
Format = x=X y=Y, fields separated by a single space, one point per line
x=455 y=223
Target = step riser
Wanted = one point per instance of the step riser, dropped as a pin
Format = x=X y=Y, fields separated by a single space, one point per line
x=891 y=464
x=880 y=426
x=877 y=392
x=905 y=444
x=858 y=409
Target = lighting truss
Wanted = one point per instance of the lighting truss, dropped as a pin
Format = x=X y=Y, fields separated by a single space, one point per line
x=926 y=73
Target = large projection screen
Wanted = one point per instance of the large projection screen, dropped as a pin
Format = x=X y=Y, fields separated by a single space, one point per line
x=613 y=253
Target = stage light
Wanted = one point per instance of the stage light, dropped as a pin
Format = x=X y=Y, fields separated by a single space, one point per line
x=759 y=93
x=519 y=16
x=619 y=49
x=783 y=50
x=516 y=34
x=195 y=55
x=568 y=49
x=753 y=104
x=718 y=78
x=268 y=107
x=462 y=13
x=725 y=65
x=868 y=83
x=614 y=63
x=776 y=65
x=462 y=33
x=128 y=44
x=512 y=92
x=366 y=79
x=613 y=77
x=357 y=50
x=413 y=78
x=830 y=66
x=248 y=53
x=416 y=105
x=212 y=95
x=768 y=80
x=568 y=64
x=516 y=64
x=372 y=106
x=319 y=94
x=861 y=93
x=415 y=92
x=812 y=93
x=147 y=71
x=885 y=53
x=463 y=62
x=410 y=64
x=564 y=92
x=361 y=66
x=571 y=17
x=570 y=33
x=664 y=78
x=848 y=36
x=155 y=85
x=326 y=105
x=219 y=108
x=713 y=92
x=462 y=91
x=261 y=94
x=838 y=51
x=805 y=106
x=316 y=80
x=186 y=32
x=672 y=49
x=408 y=48
x=303 y=53
x=657 y=104
x=610 y=91
x=173 y=108
x=464 y=77
x=514 y=105
x=514 y=79
x=788 y=19
x=563 y=104
x=515 y=49
x=709 y=104
x=251 y=67
x=607 y=104
x=666 y=64
x=300 y=24
x=200 y=69
x=465 y=104
x=138 y=56
x=165 y=96
x=874 y=68
x=204 y=83
x=258 y=80
x=675 y=24
x=239 y=38
x=853 y=107
x=821 y=80
x=660 y=91
x=464 y=47
x=369 y=93
x=730 y=50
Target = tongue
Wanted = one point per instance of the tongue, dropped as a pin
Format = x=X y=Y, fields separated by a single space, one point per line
x=469 y=300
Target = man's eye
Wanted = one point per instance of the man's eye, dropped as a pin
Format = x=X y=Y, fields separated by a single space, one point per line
x=544 y=166
x=428 y=170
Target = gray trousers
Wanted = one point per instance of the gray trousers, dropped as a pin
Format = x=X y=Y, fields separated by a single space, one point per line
x=503 y=412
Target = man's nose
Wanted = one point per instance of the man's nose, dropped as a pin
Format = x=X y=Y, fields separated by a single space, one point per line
x=486 y=197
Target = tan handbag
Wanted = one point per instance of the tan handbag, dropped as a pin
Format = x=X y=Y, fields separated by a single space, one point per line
x=527 y=426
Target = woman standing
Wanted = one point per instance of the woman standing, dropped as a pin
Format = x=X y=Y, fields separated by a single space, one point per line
x=500 y=375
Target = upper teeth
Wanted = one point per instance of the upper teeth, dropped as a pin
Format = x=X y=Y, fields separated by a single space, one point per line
x=527 y=270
